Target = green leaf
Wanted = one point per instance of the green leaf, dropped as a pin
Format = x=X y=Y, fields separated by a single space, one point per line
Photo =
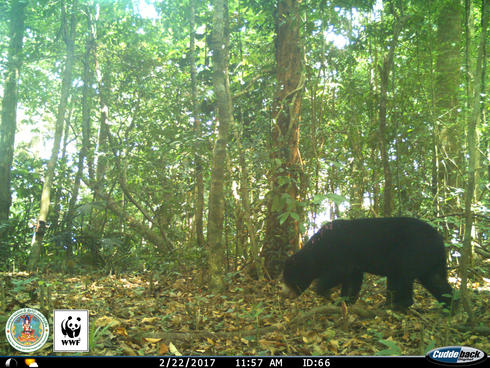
x=393 y=348
x=283 y=217
x=318 y=199
x=277 y=204
x=337 y=198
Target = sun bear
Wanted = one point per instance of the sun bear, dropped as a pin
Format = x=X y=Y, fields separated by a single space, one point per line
x=402 y=249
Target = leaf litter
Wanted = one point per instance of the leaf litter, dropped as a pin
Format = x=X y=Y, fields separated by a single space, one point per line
x=182 y=317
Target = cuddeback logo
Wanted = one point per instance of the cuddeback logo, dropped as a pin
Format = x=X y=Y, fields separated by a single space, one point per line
x=456 y=355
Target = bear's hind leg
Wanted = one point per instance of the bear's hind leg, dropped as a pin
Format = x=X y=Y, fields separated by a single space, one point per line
x=400 y=292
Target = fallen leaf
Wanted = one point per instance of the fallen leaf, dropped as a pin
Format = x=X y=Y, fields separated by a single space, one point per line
x=106 y=321
x=128 y=350
x=163 y=349
x=121 y=331
x=334 y=345
x=152 y=340
x=173 y=350
x=151 y=320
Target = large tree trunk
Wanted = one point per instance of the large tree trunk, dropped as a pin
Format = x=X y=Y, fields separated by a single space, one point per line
x=9 y=109
x=69 y=36
x=284 y=212
x=220 y=43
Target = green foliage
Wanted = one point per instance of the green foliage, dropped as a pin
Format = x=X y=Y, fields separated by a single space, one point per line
x=95 y=334
x=141 y=69
x=393 y=348
x=21 y=284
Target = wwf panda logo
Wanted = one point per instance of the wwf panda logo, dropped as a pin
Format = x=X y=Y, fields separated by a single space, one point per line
x=71 y=327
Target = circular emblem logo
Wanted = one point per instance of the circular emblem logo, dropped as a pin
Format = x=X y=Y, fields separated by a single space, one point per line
x=27 y=330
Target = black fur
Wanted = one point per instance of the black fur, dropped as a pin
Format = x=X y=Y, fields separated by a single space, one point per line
x=403 y=249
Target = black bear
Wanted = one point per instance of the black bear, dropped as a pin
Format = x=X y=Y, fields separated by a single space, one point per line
x=70 y=327
x=401 y=248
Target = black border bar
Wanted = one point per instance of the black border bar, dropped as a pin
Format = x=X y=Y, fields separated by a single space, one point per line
x=216 y=361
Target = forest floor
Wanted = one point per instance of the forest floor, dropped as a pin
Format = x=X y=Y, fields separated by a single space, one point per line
x=171 y=315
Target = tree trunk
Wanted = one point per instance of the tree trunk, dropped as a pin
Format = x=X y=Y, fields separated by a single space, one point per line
x=384 y=72
x=104 y=83
x=284 y=211
x=87 y=78
x=57 y=198
x=448 y=80
x=471 y=141
x=247 y=216
x=9 y=109
x=96 y=160
x=69 y=37
x=357 y=172
x=199 y=191
x=220 y=43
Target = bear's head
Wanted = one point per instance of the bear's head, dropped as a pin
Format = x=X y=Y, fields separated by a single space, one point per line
x=296 y=276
